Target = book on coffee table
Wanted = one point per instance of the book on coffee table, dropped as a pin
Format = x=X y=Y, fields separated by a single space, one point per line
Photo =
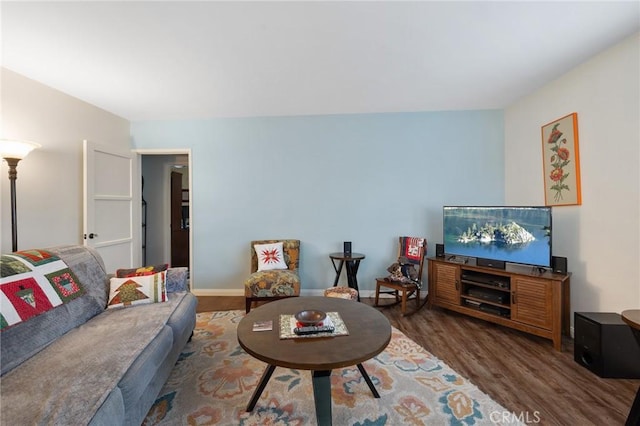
x=263 y=325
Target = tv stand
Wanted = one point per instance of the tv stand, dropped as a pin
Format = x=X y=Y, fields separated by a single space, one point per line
x=525 y=298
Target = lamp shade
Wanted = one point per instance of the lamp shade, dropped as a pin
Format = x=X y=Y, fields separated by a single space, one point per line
x=16 y=149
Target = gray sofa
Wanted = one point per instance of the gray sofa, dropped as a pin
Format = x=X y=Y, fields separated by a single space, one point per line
x=80 y=363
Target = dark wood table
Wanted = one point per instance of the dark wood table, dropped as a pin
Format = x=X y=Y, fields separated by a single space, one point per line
x=632 y=317
x=353 y=263
x=369 y=334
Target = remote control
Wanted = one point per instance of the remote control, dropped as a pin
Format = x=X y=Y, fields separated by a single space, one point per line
x=313 y=330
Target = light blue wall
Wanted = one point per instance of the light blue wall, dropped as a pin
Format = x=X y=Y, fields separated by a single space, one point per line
x=365 y=178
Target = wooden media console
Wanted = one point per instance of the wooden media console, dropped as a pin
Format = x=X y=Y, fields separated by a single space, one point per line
x=525 y=298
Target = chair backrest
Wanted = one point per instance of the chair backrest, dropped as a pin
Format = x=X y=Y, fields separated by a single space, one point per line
x=290 y=248
x=413 y=250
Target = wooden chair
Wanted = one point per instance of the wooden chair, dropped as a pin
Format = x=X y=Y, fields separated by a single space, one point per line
x=411 y=250
x=273 y=284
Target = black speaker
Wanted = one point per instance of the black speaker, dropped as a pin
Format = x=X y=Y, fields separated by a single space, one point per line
x=604 y=344
x=439 y=250
x=347 y=248
x=559 y=265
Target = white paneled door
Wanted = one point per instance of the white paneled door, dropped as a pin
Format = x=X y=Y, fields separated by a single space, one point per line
x=109 y=204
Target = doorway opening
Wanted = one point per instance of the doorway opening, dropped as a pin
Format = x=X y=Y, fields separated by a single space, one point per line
x=166 y=231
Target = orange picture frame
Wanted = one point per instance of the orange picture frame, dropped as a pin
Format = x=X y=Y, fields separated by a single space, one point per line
x=561 y=162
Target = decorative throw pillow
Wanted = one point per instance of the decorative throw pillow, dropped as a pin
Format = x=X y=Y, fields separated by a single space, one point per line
x=270 y=256
x=143 y=270
x=137 y=290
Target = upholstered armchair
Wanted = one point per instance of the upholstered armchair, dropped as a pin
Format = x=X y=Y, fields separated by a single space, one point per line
x=274 y=271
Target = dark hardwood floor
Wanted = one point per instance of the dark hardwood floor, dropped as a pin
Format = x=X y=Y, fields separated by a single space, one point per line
x=522 y=372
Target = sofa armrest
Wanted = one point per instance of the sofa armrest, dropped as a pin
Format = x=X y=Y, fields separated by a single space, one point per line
x=177 y=279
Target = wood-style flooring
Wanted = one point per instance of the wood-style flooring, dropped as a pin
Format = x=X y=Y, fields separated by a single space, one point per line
x=521 y=372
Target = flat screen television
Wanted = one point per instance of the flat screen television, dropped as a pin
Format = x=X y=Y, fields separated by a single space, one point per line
x=507 y=234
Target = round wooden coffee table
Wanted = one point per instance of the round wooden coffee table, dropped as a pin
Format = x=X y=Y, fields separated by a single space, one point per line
x=369 y=334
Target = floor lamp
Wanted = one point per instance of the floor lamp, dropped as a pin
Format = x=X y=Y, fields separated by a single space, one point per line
x=12 y=151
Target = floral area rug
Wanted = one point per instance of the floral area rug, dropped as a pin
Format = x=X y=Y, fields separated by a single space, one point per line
x=214 y=379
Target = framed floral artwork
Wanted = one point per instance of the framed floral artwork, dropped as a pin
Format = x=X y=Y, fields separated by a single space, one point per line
x=561 y=162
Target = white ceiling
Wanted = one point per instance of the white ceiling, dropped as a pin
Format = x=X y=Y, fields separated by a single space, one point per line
x=186 y=60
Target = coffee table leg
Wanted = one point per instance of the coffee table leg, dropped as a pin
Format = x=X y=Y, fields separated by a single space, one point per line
x=322 y=396
x=368 y=380
x=263 y=383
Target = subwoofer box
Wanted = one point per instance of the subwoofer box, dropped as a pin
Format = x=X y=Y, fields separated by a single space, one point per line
x=605 y=344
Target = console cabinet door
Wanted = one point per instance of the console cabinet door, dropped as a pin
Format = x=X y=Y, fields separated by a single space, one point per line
x=531 y=301
x=447 y=283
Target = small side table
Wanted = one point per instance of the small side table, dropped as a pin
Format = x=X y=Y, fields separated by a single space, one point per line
x=353 y=263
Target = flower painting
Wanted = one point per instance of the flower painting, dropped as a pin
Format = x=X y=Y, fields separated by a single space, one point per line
x=561 y=162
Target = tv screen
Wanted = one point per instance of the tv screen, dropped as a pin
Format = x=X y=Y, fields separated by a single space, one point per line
x=509 y=234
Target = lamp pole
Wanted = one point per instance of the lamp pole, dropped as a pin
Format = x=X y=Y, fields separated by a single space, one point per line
x=12 y=151
x=13 y=175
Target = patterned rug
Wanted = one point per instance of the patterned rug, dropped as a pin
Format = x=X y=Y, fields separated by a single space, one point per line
x=214 y=379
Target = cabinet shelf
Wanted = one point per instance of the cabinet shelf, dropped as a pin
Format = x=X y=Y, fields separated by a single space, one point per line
x=485 y=310
x=518 y=297
x=488 y=302
x=482 y=285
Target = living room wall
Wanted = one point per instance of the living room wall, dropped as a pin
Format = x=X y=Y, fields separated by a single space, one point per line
x=49 y=184
x=601 y=237
x=364 y=178
x=327 y=179
x=343 y=188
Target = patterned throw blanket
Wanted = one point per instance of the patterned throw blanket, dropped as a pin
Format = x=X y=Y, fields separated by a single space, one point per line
x=33 y=282
x=410 y=249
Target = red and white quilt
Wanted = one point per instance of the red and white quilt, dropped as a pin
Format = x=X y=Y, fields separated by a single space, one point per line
x=33 y=282
x=411 y=249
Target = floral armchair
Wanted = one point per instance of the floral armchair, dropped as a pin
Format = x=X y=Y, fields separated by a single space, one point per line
x=273 y=284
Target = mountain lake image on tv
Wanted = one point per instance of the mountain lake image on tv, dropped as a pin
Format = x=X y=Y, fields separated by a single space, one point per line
x=509 y=234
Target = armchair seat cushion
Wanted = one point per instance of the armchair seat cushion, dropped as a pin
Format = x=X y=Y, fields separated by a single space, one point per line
x=272 y=283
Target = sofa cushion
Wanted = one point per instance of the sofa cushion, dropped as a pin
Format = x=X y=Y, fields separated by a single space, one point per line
x=144 y=368
x=272 y=283
x=111 y=412
x=182 y=321
x=96 y=354
x=177 y=279
x=23 y=340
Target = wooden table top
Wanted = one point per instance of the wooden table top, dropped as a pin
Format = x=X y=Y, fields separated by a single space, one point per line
x=632 y=317
x=342 y=256
x=369 y=334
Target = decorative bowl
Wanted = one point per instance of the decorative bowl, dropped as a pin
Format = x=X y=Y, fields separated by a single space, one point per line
x=310 y=317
